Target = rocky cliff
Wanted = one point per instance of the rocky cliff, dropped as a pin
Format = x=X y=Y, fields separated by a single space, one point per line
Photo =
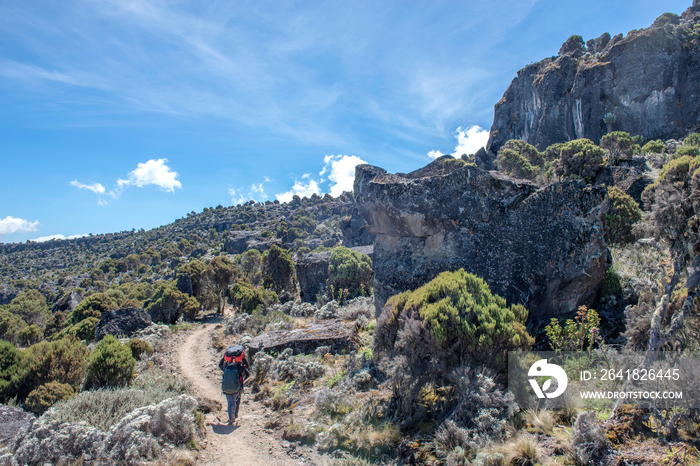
x=542 y=247
x=649 y=81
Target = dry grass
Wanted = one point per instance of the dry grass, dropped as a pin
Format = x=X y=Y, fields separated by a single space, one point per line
x=522 y=451
x=542 y=421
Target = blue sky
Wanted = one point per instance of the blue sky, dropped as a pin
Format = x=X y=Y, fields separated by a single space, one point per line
x=117 y=114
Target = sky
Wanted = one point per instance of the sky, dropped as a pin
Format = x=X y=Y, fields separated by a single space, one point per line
x=119 y=114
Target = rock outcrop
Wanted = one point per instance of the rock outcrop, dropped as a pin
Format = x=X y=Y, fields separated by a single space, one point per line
x=67 y=303
x=335 y=334
x=542 y=247
x=355 y=232
x=649 y=81
x=239 y=242
x=312 y=271
x=122 y=322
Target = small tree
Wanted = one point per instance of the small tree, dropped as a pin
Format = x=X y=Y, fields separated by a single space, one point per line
x=621 y=214
x=279 y=273
x=251 y=266
x=618 y=144
x=111 y=365
x=248 y=298
x=216 y=279
x=350 y=270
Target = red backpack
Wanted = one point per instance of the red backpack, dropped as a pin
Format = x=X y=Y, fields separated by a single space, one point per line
x=234 y=354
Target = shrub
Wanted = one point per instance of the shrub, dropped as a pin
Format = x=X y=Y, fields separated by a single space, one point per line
x=42 y=398
x=692 y=140
x=581 y=158
x=93 y=306
x=30 y=335
x=168 y=304
x=690 y=151
x=10 y=326
x=139 y=347
x=279 y=273
x=457 y=317
x=111 y=364
x=31 y=307
x=589 y=444
x=654 y=147
x=13 y=369
x=579 y=334
x=618 y=144
x=251 y=266
x=520 y=160
x=622 y=213
x=61 y=361
x=247 y=297
x=350 y=270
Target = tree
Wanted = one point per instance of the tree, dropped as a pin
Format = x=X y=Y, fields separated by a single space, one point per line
x=279 y=273
x=248 y=298
x=674 y=219
x=251 y=266
x=618 y=144
x=216 y=279
x=195 y=269
x=350 y=270
x=31 y=307
x=168 y=304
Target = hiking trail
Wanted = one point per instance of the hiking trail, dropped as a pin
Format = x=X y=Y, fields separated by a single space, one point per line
x=247 y=444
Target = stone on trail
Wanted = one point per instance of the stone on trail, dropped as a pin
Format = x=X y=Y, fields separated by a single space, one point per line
x=335 y=334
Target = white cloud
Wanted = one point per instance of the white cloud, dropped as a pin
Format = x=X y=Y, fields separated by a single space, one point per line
x=266 y=179
x=300 y=189
x=42 y=239
x=152 y=172
x=259 y=189
x=95 y=187
x=470 y=140
x=342 y=172
x=237 y=197
x=306 y=175
x=15 y=225
x=434 y=154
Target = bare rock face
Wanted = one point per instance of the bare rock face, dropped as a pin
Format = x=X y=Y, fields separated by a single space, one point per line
x=239 y=242
x=67 y=303
x=125 y=322
x=355 y=232
x=650 y=81
x=542 y=247
x=335 y=334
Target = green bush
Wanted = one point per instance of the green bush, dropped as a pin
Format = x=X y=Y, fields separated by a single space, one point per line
x=30 y=335
x=611 y=285
x=520 y=160
x=692 y=140
x=690 y=151
x=31 y=307
x=579 y=334
x=247 y=297
x=453 y=321
x=168 y=304
x=350 y=270
x=111 y=364
x=60 y=361
x=42 y=398
x=618 y=144
x=10 y=326
x=278 y=271
x=13 y=369
x=93 y=306
x=620 y=216
x=251 y=266
x=139 y=347
x=654 y=147
x=580 y=158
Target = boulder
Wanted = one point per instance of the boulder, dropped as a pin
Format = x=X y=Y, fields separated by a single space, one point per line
x=67 y=303
x=184 y=284
x=650 y=81
x=335 y=334
x=7 y=293
x=122 y=322
x=239 y=242
x=539 y=246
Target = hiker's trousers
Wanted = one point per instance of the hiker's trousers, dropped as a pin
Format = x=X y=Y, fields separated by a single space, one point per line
x=234 y=402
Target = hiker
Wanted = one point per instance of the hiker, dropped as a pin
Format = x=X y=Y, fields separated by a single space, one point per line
x=235 y=367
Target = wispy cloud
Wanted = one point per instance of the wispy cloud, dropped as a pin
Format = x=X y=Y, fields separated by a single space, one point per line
x=10 y=225
x=42 y=239
x=94 y=187
x=434 y=154
x=255 y=193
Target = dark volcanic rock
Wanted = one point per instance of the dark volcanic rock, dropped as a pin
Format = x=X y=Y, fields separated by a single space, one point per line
x=650 y=81
x=355 y=232
x=239 y=242
x=312 y=272
x=67 y=303
x=122 y=322
x=543 y=247
x=184 y=284
x=336 y=334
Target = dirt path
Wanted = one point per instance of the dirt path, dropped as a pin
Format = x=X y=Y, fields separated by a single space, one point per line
x=249 y=443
